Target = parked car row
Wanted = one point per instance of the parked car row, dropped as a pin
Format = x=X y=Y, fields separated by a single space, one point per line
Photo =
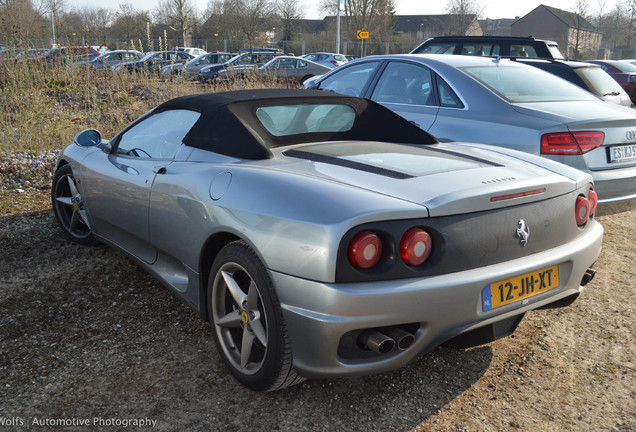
x=240 y=65
x=261 y=64
x=110 y=59
x=219 y=66
x=330 y=60
x=284 y=68
x=153 y=62
x=193 y=67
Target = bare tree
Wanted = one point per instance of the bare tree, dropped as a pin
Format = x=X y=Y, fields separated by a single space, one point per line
x=97 y=21
x=19 y=20
x=616 y=27
x=462 y=13
x=288 y=12
x=221 y=18
x=580 y=31
x=52 y=8
x=180 y=15
x=253 y=17
x=374 y=16
x=130 y=24
x=629 y=11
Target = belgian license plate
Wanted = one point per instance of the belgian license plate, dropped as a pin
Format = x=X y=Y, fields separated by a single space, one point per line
x=520 y=287
x=622 y=153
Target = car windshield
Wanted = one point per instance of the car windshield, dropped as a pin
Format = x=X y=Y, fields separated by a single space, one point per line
x=527 y=84
x=150 y=55
x=269 y=64
x=599 y=81
x=233 y=59
x=202 y=59
x=437 y=48
x=283 y=120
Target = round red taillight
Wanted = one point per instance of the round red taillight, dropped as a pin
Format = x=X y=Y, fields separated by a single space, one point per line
x=582 y=210
x=415 y=246
x=593 y=199
x=365 y=250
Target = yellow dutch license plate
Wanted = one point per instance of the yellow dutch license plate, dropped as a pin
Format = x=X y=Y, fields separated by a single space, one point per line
x=520 y=287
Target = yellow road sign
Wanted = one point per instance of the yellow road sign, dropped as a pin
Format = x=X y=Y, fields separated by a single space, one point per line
x=362 y=34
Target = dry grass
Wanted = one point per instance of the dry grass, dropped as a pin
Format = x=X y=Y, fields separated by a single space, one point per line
x=45 y=106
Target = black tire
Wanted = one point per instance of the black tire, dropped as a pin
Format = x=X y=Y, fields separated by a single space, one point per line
x=68 y=206
x=247 y=320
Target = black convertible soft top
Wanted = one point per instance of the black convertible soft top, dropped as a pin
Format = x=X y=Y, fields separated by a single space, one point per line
x=228 y=124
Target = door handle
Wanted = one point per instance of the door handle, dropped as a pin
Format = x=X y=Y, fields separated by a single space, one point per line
x=160 y=170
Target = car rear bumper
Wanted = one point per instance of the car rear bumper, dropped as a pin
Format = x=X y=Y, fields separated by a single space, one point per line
x=616 y=189
x=324 y=319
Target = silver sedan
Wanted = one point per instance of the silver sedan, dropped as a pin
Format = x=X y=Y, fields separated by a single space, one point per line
x=503 y=103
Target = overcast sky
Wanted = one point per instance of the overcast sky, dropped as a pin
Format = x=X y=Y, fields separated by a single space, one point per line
x=492 y=8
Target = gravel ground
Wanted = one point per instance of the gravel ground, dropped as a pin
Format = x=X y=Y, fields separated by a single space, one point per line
x=27 y=171
x=91 y=342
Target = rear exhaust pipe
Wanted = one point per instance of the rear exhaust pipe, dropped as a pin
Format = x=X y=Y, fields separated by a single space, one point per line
x=376 y=341
x=402 y=338
x=588 y=276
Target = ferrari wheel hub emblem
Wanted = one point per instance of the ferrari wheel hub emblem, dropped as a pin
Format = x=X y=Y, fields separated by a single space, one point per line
x=523 y=232
x=245 y=317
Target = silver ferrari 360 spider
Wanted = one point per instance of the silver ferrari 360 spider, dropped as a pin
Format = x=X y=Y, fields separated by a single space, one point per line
x=323 y=235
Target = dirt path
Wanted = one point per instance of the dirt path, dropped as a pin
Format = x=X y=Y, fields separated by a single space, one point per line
x=86 y=335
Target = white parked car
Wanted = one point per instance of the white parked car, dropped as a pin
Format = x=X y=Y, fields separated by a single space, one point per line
x=195 y=52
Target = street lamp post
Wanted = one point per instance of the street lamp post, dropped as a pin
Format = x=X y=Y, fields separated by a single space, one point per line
x=338 y=29
x=341 y=6
x=53 y=28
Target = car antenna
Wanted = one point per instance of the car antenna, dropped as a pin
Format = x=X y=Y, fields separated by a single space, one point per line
x=497 y=60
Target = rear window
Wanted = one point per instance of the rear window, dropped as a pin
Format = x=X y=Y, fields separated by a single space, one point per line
x=286 y=120
x=527 y=84
x=482 y=50
x=554 y=50
x=437 y=48
x=599 y=81
x=523 y=51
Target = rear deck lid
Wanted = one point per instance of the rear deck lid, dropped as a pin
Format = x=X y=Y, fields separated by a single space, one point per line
x=618 y=125
x=446 y=178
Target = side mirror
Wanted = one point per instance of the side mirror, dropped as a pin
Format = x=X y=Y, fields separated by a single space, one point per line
x=197 y=63
x=88 y=138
